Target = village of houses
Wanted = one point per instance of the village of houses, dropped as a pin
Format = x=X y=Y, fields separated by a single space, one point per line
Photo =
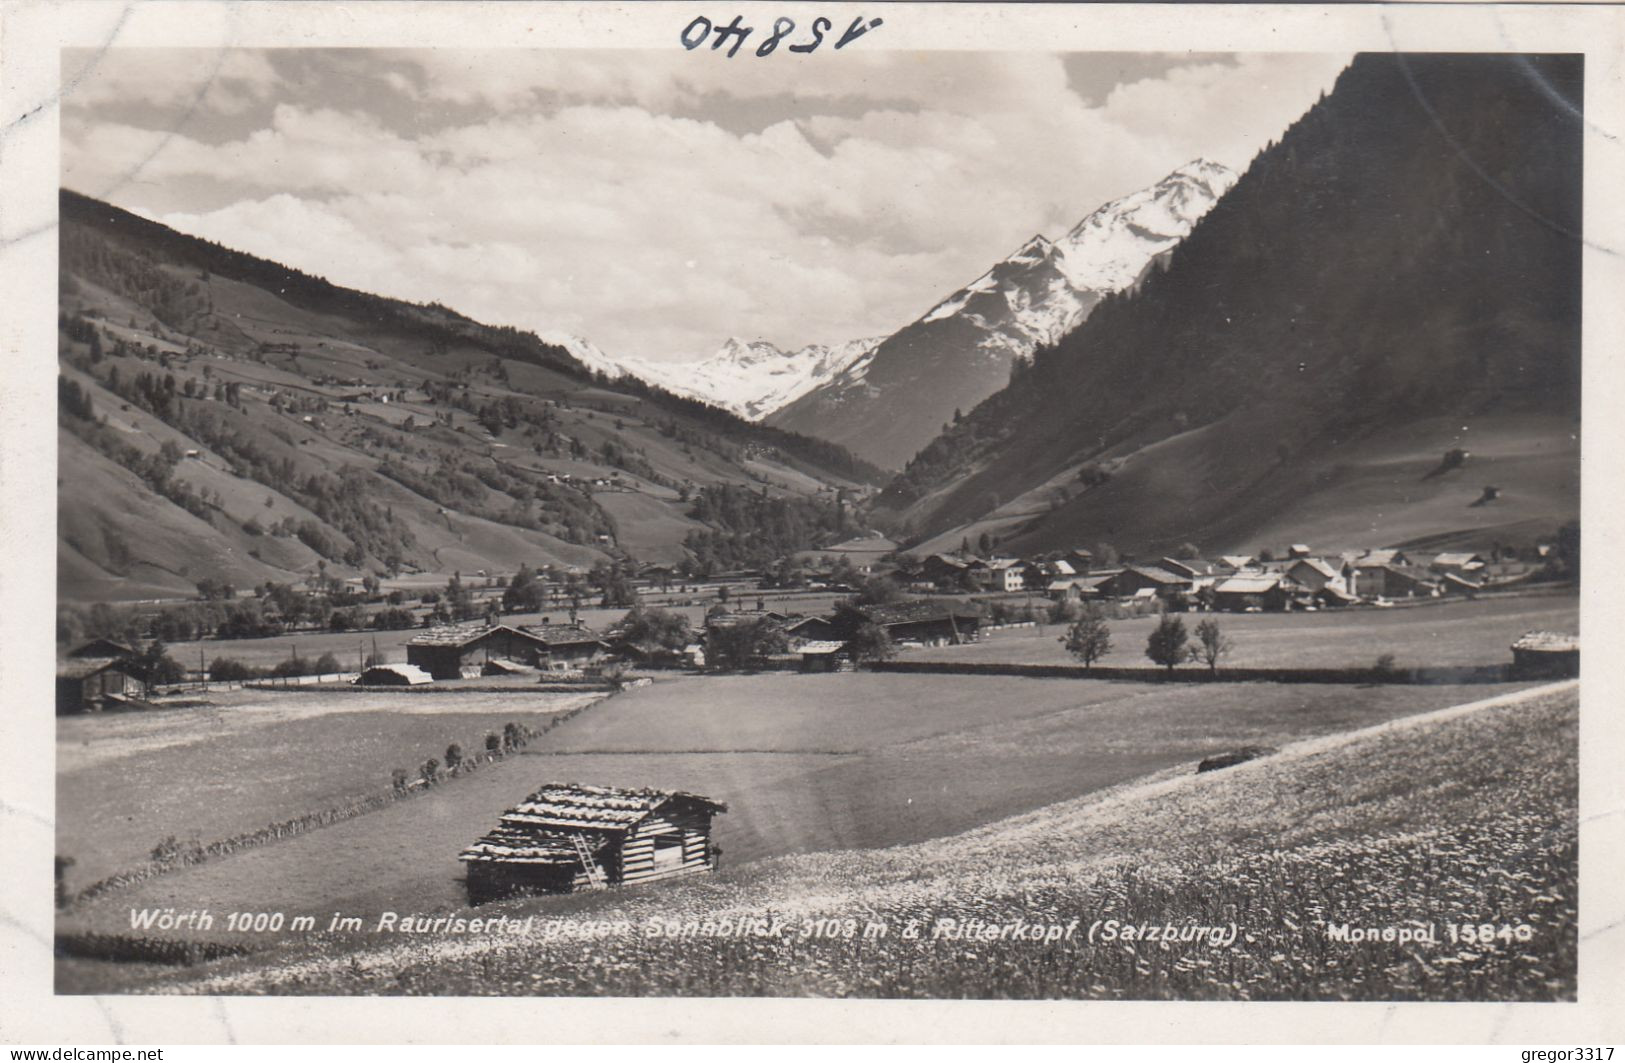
x=946 y=599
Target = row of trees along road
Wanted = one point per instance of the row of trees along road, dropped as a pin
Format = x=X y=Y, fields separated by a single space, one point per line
x=1090 y=639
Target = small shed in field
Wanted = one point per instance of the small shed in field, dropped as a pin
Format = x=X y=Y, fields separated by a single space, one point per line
x=826 y=656
x=90 y=684
x=566 y=837
x=1546 y=654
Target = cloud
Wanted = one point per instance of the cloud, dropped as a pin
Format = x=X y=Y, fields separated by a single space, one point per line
x=606 y=194
x=224 y=80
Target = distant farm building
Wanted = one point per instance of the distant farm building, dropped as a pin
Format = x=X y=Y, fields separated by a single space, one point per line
x=810 y=629
x=1392 y=581
x=1314 y=574
x=822 y=656
x=1266 y=591
x=393 y=675
x=1159 y=581
x=923 y=623
x=1546 y=655
x=567 y=837
x=1183 y=569
x=1454 y=583
x=565 y=646
x=1384 y=557
x=463 y=652
x=940 y=568
x=1006 y=574
x=91 y=684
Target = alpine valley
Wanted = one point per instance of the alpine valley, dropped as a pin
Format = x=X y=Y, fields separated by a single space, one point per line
x=885 y=398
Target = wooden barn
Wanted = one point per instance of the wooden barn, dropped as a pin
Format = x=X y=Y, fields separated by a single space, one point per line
x=459 y=652
x=565 y=646
x=567 y=837
x=1271 y=592
x=923 y=622
x=1546 y=655
x=90 y=684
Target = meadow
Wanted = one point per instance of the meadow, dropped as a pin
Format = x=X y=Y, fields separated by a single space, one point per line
x=1468 y=818
x=1438 y=634
x=806 y=763
x=127 y=781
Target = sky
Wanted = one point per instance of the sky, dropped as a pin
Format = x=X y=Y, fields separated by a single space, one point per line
x=656 y=203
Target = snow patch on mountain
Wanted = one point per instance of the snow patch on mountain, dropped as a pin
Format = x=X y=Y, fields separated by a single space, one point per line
x=1048 y=287
x=755 y=378
x=586 y=352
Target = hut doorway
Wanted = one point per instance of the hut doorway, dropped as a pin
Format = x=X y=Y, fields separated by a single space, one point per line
x=668 y=850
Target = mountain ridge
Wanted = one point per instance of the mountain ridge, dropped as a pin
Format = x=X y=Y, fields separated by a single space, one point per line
x=1362 y=275
x=962 y=349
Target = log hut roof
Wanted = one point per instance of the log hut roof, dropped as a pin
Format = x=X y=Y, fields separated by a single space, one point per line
x=84 y=667
x=1548 y=642
x=538 y=830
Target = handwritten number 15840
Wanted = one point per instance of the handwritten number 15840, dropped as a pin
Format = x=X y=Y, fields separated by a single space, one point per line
x=733 y=34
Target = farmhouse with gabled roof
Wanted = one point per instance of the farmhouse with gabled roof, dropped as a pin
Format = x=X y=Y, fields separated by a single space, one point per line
x=924 y=621
x=457 y=652
x=567 y=836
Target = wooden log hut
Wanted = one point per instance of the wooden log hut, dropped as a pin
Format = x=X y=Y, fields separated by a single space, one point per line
x=91 y=684
x=1546 y=655
x=567 y=837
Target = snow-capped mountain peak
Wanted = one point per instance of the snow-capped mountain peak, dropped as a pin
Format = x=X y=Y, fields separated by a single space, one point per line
x=1049 y=287
x=1043 y=290
x=753 y=378
x=586 y=352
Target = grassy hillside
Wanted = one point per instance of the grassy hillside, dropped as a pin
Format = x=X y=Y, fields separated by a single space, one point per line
x=1468 y=817
x=1385 y=488
x=1399 y=275
x=263 y=422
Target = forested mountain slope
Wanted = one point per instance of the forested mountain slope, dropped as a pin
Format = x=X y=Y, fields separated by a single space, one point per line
x=225 y=417
x=1399 y=275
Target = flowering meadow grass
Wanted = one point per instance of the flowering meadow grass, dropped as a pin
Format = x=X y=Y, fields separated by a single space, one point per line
x=1464 y=820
